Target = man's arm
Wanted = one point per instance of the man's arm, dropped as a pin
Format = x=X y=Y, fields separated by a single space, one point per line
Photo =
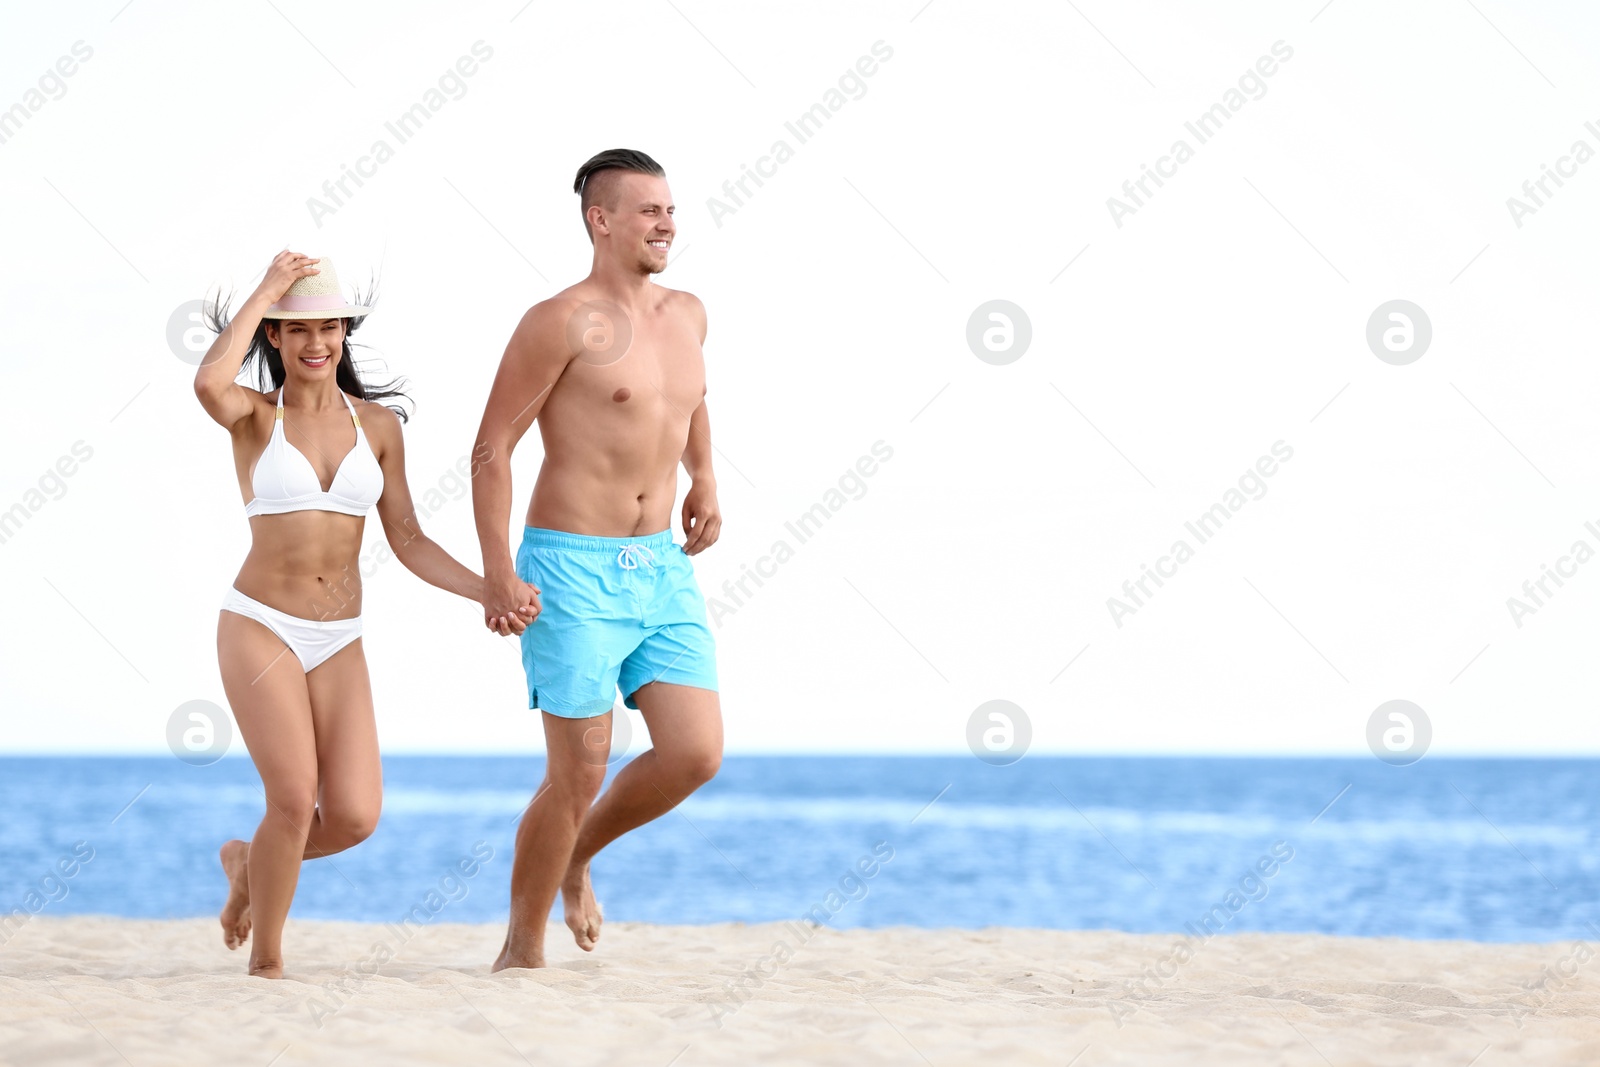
x=420 y=554
x=697 y=450
x=535 y=357
x=702 y=517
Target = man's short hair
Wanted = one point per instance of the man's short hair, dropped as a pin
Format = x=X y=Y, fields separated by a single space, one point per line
x=598 y=179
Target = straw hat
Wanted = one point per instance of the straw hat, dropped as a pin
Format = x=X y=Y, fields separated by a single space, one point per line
x=315 y=297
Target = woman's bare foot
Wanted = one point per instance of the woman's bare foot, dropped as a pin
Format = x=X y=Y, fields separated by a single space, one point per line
x=266 y=968
x=236 y=911
x=583 y=912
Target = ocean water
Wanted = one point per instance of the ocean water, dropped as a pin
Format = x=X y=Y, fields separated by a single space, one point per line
x=1481 y=849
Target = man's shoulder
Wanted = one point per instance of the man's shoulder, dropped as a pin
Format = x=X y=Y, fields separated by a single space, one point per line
x=682 y=302
x=555 y=313
x=544 y=325
x=682 y=298
x=554 y=309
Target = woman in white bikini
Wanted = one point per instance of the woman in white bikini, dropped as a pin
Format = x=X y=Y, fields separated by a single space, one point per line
x=289 y=634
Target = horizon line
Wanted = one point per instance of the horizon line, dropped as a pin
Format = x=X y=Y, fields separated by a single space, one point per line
x=142 y=753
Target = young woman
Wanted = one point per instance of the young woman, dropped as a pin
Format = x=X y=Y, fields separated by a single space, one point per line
x=289 y=634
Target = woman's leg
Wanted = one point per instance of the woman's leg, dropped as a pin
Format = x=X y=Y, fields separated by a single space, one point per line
x=268 y=694
x=314 y=741
x=349 y=772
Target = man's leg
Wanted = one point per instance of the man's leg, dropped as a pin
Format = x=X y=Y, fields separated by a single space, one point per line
x=685 y=726
x=549 y=828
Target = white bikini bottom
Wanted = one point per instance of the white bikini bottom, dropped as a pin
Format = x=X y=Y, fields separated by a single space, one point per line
x=311 y=640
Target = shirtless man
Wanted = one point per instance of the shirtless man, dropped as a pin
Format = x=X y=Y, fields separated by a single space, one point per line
x=612 y=370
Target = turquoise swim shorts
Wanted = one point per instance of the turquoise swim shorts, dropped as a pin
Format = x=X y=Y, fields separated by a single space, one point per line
x=615 y=612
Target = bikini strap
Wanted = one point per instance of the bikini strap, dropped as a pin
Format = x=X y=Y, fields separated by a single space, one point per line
x=353 y=416
x=349 y=406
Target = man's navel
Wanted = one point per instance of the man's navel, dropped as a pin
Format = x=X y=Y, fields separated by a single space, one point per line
x=621 y=394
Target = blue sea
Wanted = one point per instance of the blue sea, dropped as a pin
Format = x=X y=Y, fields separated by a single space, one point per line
x=1482 y=849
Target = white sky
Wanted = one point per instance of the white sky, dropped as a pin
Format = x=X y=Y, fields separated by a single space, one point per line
x=1227 y=314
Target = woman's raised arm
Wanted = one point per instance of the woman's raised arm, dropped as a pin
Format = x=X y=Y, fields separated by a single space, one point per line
x=224 y=399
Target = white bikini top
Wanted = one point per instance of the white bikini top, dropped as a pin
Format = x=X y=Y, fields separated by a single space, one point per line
x=284 y=480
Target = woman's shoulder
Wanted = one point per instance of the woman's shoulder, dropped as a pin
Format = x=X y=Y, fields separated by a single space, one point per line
x=263 y=408
x=376 y=417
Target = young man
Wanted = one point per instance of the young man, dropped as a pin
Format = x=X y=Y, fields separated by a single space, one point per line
x=611 y=369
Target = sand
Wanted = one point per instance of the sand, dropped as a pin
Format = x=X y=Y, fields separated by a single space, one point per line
x=93 y=990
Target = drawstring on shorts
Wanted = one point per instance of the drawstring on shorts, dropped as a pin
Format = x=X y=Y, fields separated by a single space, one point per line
x=631 y=556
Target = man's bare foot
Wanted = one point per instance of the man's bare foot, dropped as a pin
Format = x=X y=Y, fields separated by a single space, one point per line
x=236 y=911
x=499 y=963
x=506 y=960
x=583 y=912
x=530 y=959
x=526 y=955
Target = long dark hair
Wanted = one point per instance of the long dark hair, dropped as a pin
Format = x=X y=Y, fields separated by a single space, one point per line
x=268 y=361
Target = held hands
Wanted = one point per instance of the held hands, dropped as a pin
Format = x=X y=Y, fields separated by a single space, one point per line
x=286 y=269
x=702 y=518
x=510 y=605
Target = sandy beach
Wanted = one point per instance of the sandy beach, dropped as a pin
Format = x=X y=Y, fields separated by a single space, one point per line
x=92 y=990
